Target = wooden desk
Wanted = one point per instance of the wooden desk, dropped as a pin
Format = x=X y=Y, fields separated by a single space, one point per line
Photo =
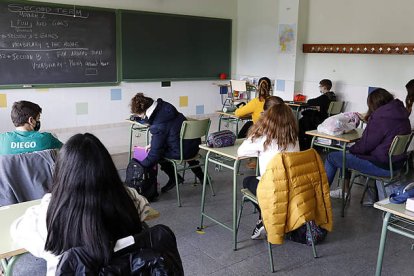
x=135 y=126
x=296 y=107
x=231 y=117
x=9 y=249
x=343 y=140
x=227 y=158
x=396 y=219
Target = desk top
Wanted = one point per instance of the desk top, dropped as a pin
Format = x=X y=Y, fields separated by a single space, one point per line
x=232 y=115
x=230 y=152
x=395 y=209
x=349 y=137
x=7 y=215
x=10 y=213
x=137 y=123
x=291 y=103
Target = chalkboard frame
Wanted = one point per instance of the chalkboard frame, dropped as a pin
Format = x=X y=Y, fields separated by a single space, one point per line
x=80 y=84
x=123 y=79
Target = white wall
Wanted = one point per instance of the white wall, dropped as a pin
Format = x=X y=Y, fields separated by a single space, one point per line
x=59 y=104
x=257 y=41
x=355 y=21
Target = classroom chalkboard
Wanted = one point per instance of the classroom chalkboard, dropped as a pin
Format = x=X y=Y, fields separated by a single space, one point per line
x=44 y=43
x=158 y=46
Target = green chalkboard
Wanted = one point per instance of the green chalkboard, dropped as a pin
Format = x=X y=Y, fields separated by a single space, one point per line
x=158 y=46
x=54 y=44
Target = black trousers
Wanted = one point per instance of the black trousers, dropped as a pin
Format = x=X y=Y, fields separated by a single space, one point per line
x=168 y=168
x=251 y=183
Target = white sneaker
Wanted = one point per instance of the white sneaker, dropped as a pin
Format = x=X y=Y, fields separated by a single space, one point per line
x=337 y=193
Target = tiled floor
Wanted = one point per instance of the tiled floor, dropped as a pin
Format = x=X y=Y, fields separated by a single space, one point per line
x=351 y=249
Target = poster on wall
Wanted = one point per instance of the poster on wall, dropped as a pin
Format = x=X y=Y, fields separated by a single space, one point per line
x=287 y=41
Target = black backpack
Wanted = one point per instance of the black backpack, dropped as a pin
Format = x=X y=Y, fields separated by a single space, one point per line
x=142 y=179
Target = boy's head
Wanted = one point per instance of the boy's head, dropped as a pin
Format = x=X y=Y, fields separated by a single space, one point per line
x=325 y=85
x=25 y=112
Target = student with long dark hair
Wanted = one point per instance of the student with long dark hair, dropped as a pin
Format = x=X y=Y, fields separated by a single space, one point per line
x=276 y=131
x=386 y=118
x=88 y=207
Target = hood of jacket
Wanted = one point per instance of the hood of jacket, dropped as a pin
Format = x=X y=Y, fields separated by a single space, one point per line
x=163 y=113
x=393 y=110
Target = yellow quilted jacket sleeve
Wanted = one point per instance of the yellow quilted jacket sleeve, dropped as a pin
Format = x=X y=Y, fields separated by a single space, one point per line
x=293 y=190
x=254 y=107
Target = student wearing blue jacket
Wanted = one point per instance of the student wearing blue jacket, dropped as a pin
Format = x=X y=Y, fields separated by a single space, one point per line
x=165 y=124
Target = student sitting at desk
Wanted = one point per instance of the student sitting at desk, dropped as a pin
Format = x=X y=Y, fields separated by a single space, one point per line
x=386 y=118
x=276 y=131
x=255 y=106
x=88 y=206
x=312 y=118
x=165 y=125
x=25 y=116
x=409 y=100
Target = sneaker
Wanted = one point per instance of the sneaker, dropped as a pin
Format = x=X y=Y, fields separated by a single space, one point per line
x=258 y=230
x=337 y=193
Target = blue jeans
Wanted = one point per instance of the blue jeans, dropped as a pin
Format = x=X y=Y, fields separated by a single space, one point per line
x=334 y=161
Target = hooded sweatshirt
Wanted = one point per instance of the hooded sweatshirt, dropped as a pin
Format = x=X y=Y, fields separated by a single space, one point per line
x=383 y=125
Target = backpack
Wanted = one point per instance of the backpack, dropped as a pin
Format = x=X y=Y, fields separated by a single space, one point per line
x=302 y=235
x=142 y=179
x=219 y=139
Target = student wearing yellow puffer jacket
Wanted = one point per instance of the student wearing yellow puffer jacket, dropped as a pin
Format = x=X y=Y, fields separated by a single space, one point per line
x=276 y=131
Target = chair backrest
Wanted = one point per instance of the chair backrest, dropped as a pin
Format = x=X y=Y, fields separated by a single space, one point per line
x=25 y=176
x=398 y=146
x=193 y=129
x=335 y=107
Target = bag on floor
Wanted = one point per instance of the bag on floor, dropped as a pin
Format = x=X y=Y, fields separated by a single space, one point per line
x=219 y=139
x=142 y=179
x=302 y=235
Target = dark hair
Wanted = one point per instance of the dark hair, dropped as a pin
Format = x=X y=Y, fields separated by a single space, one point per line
x=264 y=88
x=22 y=111
x=140 y=103
x=376 y=99
x=272 y=100
x=326 y=83
x=278 y=124
x=89 y=206
x=409 y=100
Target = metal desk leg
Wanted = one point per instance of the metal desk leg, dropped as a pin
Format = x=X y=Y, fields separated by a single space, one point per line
x=130 y=142
x=235 y=168
x=203 y=194
x=382 y=243
x=8 y=265
x=343 y=179
x=219 y=124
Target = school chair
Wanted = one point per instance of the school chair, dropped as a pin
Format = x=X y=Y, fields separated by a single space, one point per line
x=190 y=129
x=286 y=175
x=335 y=107
x=398 y=147
x=26 y=176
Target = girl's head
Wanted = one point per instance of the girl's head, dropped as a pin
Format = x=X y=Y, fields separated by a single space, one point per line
x=139 y=104
x=409 y=100
x=272 y=100
x=89 y=205
x=376 y=99
x=264 y=88
x=278 y=124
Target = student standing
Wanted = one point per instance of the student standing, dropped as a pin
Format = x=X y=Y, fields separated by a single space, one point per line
x=255 y=106
x=165 y=125
x=312 y=118
x=25 y=116
x=89 y=206
x=386 y=118
x=276 y=131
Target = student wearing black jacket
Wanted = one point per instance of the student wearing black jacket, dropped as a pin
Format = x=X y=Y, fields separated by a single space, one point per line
x=312 y=118
x=165 y=125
